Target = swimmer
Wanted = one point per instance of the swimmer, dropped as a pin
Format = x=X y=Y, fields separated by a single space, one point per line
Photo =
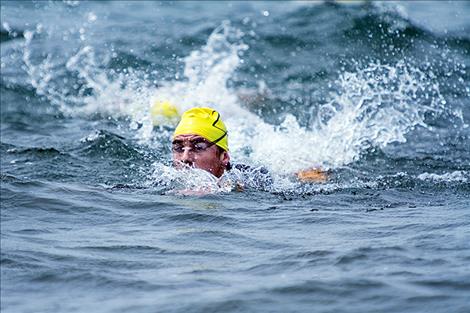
x=201 y=141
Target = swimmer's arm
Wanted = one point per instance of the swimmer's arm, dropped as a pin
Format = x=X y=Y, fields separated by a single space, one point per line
x=313 y=175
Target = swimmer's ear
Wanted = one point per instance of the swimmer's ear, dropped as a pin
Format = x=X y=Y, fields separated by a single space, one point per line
x=225 y=158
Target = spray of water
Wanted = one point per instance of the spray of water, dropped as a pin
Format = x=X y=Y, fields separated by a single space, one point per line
x=371 y=107
x=188 y=181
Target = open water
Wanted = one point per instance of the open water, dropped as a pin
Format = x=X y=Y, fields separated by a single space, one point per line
x=93 y=217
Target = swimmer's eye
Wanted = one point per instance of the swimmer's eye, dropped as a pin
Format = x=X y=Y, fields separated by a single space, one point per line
x=200 y=146
x=177 y=148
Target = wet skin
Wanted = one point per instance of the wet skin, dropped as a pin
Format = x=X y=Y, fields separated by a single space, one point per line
x=195 y=151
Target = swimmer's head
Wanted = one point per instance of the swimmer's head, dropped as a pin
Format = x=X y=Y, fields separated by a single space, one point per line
x=200 y=141
x=164 y=112
x=205 y=122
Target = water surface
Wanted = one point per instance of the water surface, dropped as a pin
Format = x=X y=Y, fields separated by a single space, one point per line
x=376 y=92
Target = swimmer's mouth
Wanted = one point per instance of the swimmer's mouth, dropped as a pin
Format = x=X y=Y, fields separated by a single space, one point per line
x=182 y=165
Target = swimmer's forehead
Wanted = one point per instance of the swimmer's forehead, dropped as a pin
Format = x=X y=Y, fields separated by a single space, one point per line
x=185 y=137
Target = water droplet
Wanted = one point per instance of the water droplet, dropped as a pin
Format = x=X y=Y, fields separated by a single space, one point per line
x=92 y=17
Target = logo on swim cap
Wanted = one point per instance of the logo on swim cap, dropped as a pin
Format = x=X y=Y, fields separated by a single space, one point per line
x=205 y=122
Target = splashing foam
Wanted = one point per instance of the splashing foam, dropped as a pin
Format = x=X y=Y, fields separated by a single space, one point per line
x=371 y=107
x=193 y=182
x=456 y=176
x=128 y=94
x=82 y=86
x=207 y=71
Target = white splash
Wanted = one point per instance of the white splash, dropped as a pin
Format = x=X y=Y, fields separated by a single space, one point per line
x=456 y=176
x=373 y=106
x=193 y=182
x=206 y=73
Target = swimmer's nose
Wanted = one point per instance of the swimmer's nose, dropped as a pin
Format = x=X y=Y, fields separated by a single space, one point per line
x=187 y=157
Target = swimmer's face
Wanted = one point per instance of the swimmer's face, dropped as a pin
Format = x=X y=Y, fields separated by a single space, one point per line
x=195 y=151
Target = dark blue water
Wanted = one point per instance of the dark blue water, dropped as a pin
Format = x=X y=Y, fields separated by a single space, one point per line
x=94 y=218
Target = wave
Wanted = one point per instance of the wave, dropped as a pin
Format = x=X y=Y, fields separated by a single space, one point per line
x=455 y=176
x=103 y=143
x=38 y=152
x=369 y=105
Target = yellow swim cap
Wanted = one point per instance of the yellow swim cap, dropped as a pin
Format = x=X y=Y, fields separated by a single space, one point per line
x=204 y=122
x=164 y=112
